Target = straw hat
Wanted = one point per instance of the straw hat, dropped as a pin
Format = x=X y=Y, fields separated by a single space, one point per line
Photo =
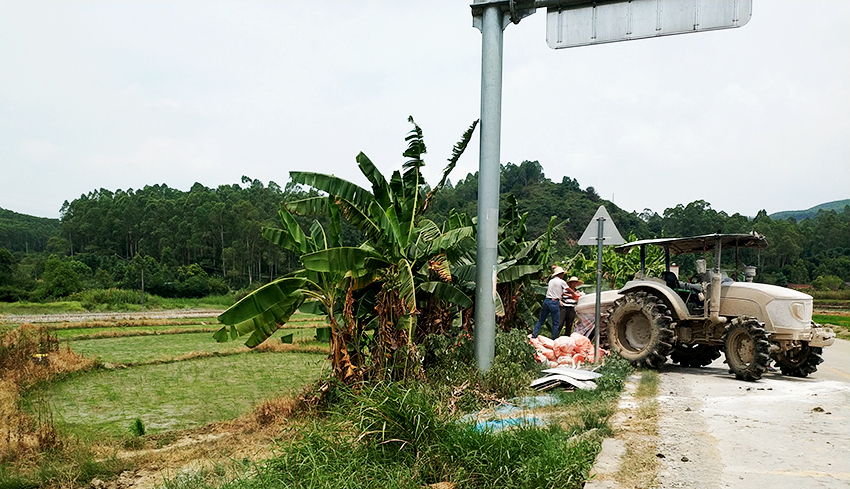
x=574 y=279
x=557 y=271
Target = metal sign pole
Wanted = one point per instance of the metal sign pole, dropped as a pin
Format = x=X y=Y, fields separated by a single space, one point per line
x=599 y=239
x=491 y=25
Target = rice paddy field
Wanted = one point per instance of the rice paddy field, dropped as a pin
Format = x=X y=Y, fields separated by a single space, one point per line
x=172 y=375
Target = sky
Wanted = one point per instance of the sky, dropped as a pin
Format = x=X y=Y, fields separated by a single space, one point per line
x=121 y=95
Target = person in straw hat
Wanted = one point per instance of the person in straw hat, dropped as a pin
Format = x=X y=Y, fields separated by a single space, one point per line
x=552 y=303
x=568 y=303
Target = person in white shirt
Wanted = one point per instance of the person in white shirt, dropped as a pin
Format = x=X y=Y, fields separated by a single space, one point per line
x=552 y=303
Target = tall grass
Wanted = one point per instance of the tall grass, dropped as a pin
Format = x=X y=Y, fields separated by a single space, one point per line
x=839 y=295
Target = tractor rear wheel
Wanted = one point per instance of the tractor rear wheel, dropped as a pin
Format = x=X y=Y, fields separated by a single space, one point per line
x=800 y=361
x=639 y=329
x=747 y=348
x=694 y=355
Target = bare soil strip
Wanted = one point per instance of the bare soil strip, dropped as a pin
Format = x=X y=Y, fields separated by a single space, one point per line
x=110 y=316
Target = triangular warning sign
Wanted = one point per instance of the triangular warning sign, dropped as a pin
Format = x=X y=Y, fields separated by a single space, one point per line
x=610 y=235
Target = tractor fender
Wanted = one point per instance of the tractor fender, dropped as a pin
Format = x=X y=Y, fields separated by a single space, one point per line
x=660 y=290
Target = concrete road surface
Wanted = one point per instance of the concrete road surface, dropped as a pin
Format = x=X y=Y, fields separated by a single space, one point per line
x=777 y=433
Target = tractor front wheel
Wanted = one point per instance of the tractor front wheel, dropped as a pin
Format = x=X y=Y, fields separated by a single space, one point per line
x=639 y=330
x=747 y=348
x=800 y=361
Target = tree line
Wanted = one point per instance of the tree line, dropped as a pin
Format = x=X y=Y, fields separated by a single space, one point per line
x=209 y=240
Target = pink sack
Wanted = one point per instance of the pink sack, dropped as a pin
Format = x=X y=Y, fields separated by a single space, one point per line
x=564 y=346
x=578 y=358
x=550 y=355
x=540 y=357
x=547 y=342
x=582 y=343
x=565 y=360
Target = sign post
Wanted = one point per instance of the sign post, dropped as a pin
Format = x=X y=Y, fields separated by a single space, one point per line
x=601 y=231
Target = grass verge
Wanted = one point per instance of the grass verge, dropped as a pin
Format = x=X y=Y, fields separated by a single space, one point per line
x=639 y=465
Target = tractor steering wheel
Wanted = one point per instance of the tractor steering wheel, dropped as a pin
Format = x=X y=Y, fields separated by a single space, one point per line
x=695 y=279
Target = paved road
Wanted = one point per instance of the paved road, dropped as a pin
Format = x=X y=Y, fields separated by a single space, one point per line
x=778 y=433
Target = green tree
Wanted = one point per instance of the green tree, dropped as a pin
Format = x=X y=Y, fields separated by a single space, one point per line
x=59 y=280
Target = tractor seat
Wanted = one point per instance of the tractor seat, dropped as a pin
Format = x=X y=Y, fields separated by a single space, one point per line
x=670 y=279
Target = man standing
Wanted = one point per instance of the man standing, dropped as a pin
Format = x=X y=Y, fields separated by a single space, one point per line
x=551 y=305
x=568 y=303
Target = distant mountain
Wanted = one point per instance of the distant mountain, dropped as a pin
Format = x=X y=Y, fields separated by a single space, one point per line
x=836 y=206
x=21 y=232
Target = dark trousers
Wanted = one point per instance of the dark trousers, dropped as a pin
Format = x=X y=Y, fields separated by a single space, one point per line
x=551 y=307
x=568 y=315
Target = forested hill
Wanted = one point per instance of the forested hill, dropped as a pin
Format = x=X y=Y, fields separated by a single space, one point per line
x=185 y=238
x=836 y=206
x=20 y=232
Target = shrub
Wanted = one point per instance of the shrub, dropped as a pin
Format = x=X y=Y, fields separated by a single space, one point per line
x=112 y=298
x=827 y=282
x=11 y=293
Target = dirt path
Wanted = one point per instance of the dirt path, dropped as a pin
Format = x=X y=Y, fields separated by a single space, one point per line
x=780 y=432
x=109 y=316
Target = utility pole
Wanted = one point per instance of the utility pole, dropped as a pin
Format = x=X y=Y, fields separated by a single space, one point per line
x=491 y=25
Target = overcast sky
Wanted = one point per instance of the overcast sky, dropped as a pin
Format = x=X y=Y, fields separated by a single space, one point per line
x=127 y=94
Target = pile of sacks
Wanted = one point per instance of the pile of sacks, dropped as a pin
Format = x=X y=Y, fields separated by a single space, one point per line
x=571 y=351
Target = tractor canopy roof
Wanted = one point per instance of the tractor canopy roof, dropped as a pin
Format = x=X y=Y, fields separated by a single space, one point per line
x=695 y=244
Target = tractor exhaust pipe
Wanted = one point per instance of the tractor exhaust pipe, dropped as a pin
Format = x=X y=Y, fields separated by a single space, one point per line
x=714 y=304
x=714 y=299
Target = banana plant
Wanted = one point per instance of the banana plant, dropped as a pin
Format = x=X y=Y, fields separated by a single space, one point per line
x=320 y=290
x=402 y=256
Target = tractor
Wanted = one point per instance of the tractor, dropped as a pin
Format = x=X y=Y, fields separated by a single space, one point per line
x=693 y=321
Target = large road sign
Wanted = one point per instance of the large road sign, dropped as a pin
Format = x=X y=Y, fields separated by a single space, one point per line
x=585 y=23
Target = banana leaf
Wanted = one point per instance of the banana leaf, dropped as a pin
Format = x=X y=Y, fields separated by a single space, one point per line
x=335 y=186
x=308 y=207
x=457 y=151
x=407 y=287
x=359 y=218
x=313 y=307
x=447 y=292
x=451 y=238
x=515 y=272
x=463 y=273
x=380 y=187
x=340 y=260
x=262 y=311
